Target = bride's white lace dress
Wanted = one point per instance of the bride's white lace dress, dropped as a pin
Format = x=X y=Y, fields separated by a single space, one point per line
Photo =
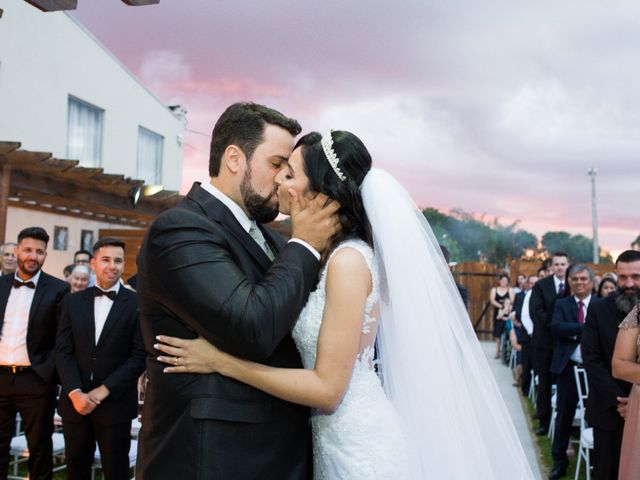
x=363 y=437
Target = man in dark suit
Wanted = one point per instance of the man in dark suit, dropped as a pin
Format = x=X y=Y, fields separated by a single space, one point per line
x=29 y=301
x=205 y=268
x=569 y=315
x=543 y=297
x=606 y=404
x=524 y=329
x=99 y=355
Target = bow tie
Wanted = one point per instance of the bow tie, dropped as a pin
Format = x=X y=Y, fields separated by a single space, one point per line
x=17 y=284
x=97 y=292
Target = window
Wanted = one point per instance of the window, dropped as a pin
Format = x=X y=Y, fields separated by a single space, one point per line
x=149 y=156
x=84 y=133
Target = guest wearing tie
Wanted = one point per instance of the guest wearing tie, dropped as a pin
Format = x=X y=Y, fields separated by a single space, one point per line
x=100 y=355
x=29 y=302
x=543 y=297
x=569 y=315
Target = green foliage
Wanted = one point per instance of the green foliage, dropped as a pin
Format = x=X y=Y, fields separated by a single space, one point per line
x=578 y=247
x=471 y=239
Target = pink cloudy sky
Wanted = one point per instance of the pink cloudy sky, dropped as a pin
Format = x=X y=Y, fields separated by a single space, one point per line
x=497 y=108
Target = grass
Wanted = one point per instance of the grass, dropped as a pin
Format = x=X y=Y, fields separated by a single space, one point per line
x=544 y=448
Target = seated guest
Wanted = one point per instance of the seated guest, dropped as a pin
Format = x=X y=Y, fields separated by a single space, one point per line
x=79 y=278
x=99 y=377
x=567 y=322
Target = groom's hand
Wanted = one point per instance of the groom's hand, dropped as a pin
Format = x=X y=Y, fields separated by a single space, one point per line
x=317 y=222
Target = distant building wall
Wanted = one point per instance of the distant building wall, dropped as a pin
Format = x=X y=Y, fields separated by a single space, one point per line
x=45 y=58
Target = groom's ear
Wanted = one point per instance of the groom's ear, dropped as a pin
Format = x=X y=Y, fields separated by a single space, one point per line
x=234 y=159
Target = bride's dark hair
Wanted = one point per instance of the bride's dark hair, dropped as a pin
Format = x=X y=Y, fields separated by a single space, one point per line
x=354 y=163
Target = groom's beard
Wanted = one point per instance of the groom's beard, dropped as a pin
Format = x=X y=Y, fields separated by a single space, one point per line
x=627 y=298
x=257 y=206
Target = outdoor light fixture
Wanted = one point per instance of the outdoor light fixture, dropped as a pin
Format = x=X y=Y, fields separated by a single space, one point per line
x=134 y=195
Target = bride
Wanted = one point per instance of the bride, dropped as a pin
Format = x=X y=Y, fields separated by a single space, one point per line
x=433 y=409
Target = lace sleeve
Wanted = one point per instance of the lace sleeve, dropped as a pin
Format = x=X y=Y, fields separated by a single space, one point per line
x=631 y=321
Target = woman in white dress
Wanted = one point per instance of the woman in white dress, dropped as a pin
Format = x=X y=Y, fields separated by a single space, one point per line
x=439 y=413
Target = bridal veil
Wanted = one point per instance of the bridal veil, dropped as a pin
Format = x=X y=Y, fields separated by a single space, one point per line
x=433 y=367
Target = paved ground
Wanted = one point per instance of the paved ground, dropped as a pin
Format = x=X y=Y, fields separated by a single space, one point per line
x=516 y=408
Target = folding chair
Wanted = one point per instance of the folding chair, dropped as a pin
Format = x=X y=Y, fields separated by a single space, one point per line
x=586 y=433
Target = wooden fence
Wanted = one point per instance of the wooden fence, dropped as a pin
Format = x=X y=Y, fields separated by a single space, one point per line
x=479 y=278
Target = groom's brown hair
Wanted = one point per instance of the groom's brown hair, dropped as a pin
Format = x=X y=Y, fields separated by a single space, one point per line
x=242 y=124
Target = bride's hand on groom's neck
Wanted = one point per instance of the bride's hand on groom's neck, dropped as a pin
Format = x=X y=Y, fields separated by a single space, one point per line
x=316 y=222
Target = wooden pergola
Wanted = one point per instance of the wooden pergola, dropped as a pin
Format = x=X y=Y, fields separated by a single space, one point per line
x=56 y=5
x=38 y=181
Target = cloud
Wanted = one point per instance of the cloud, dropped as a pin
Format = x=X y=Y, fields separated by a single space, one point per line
x=496 y=108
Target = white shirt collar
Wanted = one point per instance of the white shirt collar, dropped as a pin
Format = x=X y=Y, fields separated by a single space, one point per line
x=244 y=221
x=557 y=282
x=33 y=279
x=585 y=301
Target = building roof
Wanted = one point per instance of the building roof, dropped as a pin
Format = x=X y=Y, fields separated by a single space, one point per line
x=38 y=181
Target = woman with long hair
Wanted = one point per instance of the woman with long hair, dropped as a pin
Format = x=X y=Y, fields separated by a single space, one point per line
x=437 y=412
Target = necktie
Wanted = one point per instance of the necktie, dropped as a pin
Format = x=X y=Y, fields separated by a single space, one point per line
x=257 y=235
x=17 y=284
x=580 y=312
x=561 y=289
x=98 y=292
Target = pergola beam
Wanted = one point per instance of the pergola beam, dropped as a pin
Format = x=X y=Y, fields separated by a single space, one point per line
x=140 y=3
x=53 y=5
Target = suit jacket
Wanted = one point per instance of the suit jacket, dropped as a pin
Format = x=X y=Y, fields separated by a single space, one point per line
x=116 y=361
x=200 y=273
x=543 y=297
x=566 y=331
x=518 y=303
x=43 y=320
x=598 y=343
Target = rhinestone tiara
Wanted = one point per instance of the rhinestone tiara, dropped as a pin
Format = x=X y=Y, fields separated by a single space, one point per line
x=327 y=147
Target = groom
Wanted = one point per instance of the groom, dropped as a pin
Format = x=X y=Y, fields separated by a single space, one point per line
x=208 y=267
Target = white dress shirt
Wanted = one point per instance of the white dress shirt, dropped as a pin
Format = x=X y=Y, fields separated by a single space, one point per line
x=101 y=308
x=557 y=283
x=525 y=316
x=576 y=356
x=13 y=338
x=243 y=219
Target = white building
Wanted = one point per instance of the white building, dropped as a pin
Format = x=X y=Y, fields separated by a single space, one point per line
x=61 y=91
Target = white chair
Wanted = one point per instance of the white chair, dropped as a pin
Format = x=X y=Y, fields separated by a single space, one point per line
x=554 y=411
x=586 y=433
x=532 y=387
x=20 y=452
x=136 y=425
x=133 y=452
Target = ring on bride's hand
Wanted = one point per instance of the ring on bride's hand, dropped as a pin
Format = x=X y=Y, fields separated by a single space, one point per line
x=176 y=360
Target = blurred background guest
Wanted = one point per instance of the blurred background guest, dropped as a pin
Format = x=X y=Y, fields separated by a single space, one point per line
x=607 y=285
x=8 y=261
x=79 y=278
x=497 y=296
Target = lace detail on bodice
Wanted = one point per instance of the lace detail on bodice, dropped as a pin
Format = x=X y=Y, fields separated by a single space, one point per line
x=346 y=442
x=307 y=328
x=632 y=320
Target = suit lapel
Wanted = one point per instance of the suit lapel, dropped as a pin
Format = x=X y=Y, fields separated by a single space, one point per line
x=114 y=315
x=41 y=288
x=274 y=240
x=89 y=315
x=215 y=210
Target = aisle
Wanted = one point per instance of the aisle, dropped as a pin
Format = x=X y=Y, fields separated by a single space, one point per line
x=514 y=403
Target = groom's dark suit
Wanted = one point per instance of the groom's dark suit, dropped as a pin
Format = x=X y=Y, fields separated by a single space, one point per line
x=200 y=273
